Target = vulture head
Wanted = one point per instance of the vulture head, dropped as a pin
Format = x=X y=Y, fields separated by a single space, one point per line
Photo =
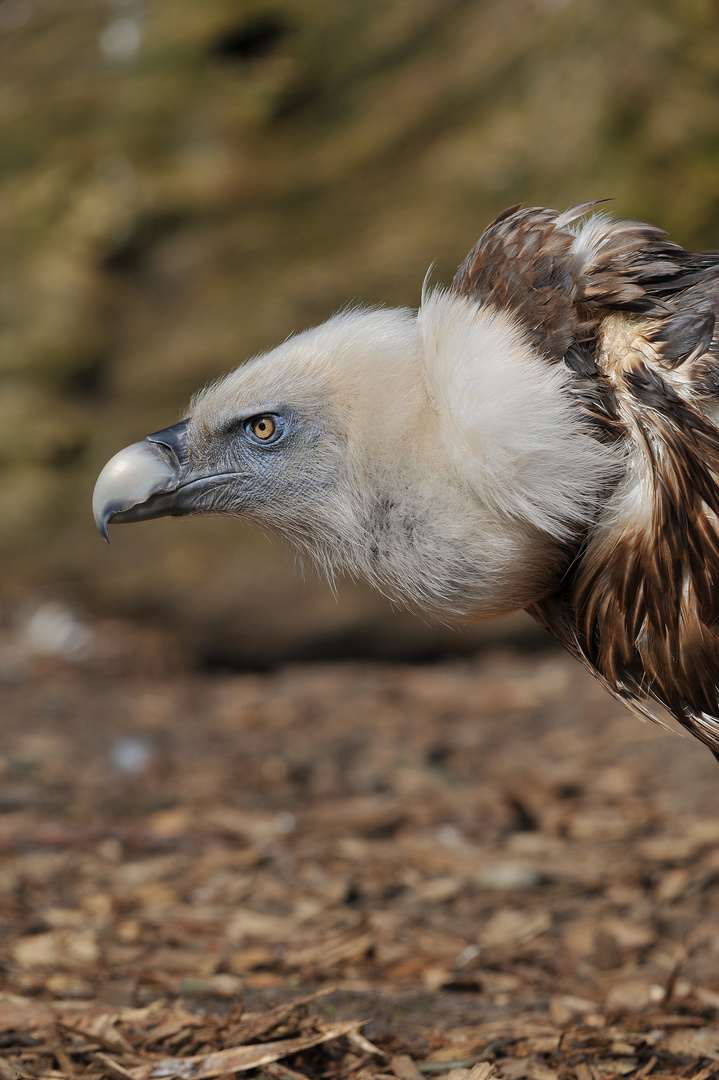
x=542 y=435
x=430 y=452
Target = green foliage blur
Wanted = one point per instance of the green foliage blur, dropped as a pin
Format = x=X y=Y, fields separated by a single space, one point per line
x=185 y=183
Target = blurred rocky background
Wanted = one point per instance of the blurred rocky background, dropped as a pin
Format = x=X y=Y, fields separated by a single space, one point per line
x=184 y=184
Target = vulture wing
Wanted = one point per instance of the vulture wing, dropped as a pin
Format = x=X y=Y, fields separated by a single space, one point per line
x=636 y=318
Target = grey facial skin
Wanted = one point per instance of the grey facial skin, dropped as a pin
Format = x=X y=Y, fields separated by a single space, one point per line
x=157 y=478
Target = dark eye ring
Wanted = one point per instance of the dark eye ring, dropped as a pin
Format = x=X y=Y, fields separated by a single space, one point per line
x=263 y=427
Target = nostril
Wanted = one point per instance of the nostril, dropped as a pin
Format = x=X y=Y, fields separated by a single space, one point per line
x=172 y=438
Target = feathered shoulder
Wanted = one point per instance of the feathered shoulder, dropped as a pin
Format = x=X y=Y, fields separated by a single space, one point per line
x=634 y=317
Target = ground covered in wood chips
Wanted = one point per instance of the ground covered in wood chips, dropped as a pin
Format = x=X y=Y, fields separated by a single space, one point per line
x=481 y=868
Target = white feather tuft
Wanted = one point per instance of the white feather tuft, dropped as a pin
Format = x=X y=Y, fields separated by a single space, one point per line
x=508 y=418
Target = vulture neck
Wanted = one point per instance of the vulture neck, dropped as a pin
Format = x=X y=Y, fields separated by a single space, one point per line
x=471 y=475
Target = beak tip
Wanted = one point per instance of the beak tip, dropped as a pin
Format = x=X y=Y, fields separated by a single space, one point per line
x=102 y=521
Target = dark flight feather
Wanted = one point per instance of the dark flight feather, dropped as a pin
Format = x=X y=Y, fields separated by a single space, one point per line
x=634 y=318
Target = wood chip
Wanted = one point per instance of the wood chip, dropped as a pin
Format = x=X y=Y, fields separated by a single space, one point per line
x=687 y=1042
x=115 y=1068
x=238 y=1059
x=483 y=1070
x=253 y=1028
x=405 y=1068
x=358 y=1040
x=282 y=1072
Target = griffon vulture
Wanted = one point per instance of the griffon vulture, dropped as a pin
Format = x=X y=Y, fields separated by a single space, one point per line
x=544 y=434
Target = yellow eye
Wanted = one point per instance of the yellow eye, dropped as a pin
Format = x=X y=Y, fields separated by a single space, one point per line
x=263 y=427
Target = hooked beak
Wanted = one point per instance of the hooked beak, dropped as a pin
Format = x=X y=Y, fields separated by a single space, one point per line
x=145 y=480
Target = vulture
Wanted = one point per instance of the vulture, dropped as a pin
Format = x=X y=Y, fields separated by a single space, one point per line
x=543 y=434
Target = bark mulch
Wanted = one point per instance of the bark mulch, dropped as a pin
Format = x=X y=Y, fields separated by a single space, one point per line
x=483 y=868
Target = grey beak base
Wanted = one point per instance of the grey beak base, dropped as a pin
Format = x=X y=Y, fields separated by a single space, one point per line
x=140 y=482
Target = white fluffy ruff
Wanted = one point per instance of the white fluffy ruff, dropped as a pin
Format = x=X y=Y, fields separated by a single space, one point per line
x=456 y=465
x=508 y=419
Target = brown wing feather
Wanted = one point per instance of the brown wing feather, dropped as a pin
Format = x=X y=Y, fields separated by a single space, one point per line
x=531 y=262
x=641 y=603
x=521 y=264
x=635 y=318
